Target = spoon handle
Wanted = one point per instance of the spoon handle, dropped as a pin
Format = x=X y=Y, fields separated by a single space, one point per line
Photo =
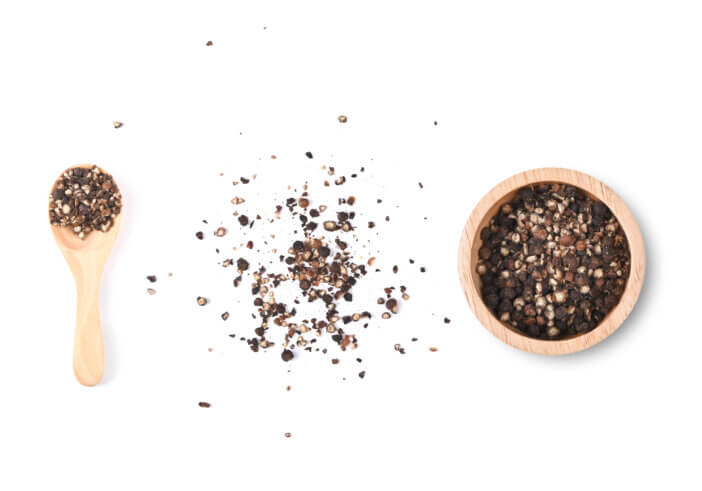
x=88 y=347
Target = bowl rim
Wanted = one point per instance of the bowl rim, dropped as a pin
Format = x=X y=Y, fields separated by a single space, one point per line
x=612 y=321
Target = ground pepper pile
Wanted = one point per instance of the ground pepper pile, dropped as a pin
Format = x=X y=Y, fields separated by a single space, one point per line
x=322 y=267
x=553 y=262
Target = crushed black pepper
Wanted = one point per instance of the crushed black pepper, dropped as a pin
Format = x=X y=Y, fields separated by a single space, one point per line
x=84 y=199
x=320 y=265
x=553 y=262
x=286 y=355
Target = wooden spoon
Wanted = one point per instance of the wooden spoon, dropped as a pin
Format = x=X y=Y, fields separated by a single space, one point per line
x=86 y=258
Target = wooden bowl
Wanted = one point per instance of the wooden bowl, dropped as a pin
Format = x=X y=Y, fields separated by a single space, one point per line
x=470 y=244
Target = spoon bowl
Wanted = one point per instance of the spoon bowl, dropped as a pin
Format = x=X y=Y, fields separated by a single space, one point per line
x=86 y=259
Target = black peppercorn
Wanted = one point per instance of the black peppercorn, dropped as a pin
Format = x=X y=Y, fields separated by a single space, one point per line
x=546 y=252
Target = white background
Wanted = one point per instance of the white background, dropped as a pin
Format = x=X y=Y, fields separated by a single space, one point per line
x=610 y=88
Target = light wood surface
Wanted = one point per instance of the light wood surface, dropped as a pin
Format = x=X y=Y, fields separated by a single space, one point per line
x=470 y=244
x=86 y=258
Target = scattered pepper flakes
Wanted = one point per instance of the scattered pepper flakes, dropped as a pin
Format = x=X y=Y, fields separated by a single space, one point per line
x=321 y=261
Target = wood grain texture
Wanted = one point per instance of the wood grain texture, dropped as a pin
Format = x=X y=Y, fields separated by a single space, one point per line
x=86 y=258
x=470 y=244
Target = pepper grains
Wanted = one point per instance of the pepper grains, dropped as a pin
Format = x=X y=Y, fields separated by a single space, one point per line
x=553 y=262
x=84 y=199
x=321 y=276
x=322 y=267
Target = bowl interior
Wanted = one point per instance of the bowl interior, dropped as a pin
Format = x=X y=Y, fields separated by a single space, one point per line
x=475 y=248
